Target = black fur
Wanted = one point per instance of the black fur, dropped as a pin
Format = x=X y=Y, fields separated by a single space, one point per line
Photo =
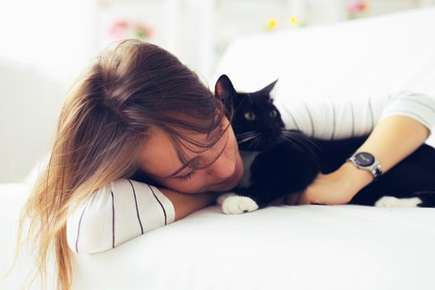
x=289 y=160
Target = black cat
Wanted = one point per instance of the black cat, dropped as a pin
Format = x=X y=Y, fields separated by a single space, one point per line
x=282 y=162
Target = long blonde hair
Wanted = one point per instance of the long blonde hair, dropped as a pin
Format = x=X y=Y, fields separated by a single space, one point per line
x=104 y=120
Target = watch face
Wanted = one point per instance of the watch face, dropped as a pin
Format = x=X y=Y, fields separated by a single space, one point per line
x=364 y=159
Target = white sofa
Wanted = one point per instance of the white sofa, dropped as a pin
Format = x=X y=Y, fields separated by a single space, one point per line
x=30 y=104
x=306 y=247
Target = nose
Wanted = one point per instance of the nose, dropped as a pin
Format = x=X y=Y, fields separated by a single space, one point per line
x=223 y=167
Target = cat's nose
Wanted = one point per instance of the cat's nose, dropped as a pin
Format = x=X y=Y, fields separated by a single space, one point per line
x=273 y=133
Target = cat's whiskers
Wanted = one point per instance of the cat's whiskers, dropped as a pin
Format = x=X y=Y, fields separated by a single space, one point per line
x=255 y=142
x=258 y=140
x=247 y=136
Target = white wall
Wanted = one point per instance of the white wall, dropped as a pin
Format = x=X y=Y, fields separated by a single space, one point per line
x=57 y=35
x=43 y=45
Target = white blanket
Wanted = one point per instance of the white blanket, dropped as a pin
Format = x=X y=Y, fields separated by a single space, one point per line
x=282 y=247
x=305 y=247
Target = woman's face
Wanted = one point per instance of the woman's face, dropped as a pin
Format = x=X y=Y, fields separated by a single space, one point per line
x=223 y=164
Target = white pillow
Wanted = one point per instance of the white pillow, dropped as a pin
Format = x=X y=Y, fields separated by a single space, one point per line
x=348 y=59
x=353 y=59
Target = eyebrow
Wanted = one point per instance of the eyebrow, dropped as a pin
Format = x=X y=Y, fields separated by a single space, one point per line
x=195 y=159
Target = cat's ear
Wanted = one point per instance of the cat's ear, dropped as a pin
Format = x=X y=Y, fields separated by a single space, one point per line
x=267 y=89
x=224 y=88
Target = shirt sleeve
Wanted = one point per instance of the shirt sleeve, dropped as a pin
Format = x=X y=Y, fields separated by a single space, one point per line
x=338 y=118
x=116 y=213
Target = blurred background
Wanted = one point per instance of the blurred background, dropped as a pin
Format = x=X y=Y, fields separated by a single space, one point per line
x=45 y=44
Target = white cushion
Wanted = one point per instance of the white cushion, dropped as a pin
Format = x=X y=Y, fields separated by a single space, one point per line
x=31 y=102
x=359 y=57
x=37 y=169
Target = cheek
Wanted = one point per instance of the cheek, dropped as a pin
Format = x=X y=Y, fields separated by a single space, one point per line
x=234 y=146
x=193 y=185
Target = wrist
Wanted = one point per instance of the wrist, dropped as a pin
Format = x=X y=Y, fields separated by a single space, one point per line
x=356 y=178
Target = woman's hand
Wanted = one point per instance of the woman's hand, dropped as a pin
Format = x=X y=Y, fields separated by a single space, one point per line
x=338 y=187
x=326 y=189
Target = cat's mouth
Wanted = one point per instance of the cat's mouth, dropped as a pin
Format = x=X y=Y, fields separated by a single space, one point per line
x=255 y=140
x=247 y=136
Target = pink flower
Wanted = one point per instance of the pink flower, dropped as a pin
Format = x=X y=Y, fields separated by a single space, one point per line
x=126 y=28
x=357 y=6
x=118 y=29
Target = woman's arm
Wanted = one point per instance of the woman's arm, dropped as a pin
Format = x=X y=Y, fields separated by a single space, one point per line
x=186 y=204
x=126 y=209
x=400 y=123
x=394 y=138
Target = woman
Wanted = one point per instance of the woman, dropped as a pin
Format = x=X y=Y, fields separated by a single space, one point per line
x=141 y=142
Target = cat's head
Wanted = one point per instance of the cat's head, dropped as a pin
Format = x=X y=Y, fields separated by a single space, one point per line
x=255 y=120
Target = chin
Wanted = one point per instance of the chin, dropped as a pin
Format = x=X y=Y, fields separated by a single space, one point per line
x=225 y=188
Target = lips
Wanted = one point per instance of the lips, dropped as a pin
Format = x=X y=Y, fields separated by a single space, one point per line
x=237 y=172
x=235 y=177
x=232 y=178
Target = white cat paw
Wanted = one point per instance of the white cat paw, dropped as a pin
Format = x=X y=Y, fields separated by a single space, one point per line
x=391 y=201
x=232 y=203
x=222 y=197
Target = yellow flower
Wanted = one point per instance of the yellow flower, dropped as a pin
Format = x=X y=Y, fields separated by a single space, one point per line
x=271 y=24
x=294 y=20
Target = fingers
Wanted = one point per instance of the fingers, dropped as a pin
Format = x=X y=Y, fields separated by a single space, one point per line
x=303 y=199
x=292 y=199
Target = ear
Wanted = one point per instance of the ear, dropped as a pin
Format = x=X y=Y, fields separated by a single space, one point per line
x=224 y=89
x=267 y=89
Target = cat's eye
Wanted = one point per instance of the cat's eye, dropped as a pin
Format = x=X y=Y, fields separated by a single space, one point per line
x=249 y=116
x=273 y=114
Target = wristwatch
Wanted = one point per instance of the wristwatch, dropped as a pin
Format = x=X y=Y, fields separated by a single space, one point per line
x=366 y=161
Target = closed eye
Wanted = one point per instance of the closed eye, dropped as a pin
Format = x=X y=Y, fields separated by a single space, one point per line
x=187 y=176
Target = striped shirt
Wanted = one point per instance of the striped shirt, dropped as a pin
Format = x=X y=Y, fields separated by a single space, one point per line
x=118 y=212
x=125 y=208
x=336 y=118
